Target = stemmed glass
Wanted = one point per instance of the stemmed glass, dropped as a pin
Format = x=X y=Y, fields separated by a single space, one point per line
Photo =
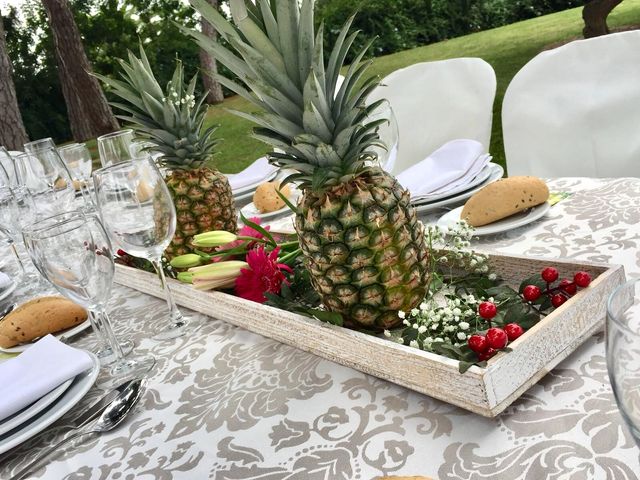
x=139 y=215
x=43 y=143
x=72 y=250
x=115 y=147
x=7 y=169
x=623 y=352
x=77 y=158
x=47 y=179
x=16 y=211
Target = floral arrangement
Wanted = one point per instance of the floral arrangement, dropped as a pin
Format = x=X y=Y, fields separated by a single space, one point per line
x=468 y=313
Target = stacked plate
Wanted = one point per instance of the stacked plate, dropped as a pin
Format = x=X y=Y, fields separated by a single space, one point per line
x=34 y=418
x=490 y=173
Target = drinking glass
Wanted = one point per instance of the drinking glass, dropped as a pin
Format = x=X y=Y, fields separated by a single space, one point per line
x=45 y=176
x=7 y=168
x=77 y=158
x=623 y=352
x=72 y=250
x=17 y=211
x=115 y=147
x=43 y=143
x=139 y=215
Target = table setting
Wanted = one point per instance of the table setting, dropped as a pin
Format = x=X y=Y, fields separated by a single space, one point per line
x=312 y=316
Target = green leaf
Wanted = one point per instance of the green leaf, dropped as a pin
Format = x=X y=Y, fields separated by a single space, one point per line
x=258 y=229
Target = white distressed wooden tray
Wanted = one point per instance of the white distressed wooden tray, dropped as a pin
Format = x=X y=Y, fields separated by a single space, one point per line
x=486 y=391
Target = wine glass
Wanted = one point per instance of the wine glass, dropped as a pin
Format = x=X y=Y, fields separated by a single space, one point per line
x=7 y=168
x=72 y=250
x=43 y=143
x=139 y=215
x=16 y=211
x=77 y=158
x=115 y=147
x=45 y=176
x=623 y=351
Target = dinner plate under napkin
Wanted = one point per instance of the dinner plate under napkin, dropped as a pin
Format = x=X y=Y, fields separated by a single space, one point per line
x=450 y=167
x=35 y=372
x=259 y=171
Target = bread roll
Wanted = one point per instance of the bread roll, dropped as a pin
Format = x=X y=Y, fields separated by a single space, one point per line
x=504 y=198
x=39 y=317
x=266 y=198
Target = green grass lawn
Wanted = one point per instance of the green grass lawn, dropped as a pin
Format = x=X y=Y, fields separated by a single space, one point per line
x=507 y=49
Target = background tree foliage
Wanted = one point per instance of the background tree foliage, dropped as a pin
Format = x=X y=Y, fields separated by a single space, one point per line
x=110 y=27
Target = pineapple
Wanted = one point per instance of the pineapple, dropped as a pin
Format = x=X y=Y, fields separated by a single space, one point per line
x=361 y=241
x=172 y=122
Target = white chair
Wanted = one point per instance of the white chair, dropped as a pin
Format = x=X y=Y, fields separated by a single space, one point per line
x=575 y=110
x=435 y=102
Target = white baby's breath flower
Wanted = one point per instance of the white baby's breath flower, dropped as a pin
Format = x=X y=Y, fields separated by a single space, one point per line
x=492 y=276
x=401 y=314
x=415 y=312
x=387 y=333
x=456 y=311
x=463 y=326
x=424 y=306
x=414 y=344
x=422 y=329
x=416 y=326
x=462 y=336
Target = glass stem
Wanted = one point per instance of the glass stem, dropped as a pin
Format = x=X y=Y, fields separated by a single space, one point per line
x=108 y=334
x=174 y=312
x=22 y=272
x=96 y=324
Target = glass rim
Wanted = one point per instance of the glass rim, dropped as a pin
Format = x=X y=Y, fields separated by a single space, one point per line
x=34 y=153
x=72 y=145
x=72 y=215
x=115 y=134
x=34 y=143
x=122 y=165
x=610 y=314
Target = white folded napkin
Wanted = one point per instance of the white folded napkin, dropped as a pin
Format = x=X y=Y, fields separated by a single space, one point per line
x=38 y=370
x=454 y=164
x=254 y=173
x=5 y=280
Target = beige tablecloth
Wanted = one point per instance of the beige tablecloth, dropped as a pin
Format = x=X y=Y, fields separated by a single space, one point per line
x=228 y=404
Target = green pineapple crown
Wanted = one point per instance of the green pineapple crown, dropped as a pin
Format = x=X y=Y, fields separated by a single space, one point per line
x=171 y=120
x=282 y=67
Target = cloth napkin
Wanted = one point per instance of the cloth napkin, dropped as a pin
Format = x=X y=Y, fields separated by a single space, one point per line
x=254 y=173
x=453 y=165
x=38 y=370
x=5 y=280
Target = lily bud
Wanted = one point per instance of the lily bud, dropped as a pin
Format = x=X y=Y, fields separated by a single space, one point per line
x=213 y=239
x=217 y=275
x=185 y=277
x=186 y=261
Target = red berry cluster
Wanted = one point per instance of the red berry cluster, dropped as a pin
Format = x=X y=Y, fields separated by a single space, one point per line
x=487 y=345
x=560 y=293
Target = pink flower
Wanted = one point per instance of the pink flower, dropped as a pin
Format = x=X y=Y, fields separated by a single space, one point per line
x=264 y=274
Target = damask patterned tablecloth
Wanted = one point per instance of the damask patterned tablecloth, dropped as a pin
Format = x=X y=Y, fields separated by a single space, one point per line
x=228 y=404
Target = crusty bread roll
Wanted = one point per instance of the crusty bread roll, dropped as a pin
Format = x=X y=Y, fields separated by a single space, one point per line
x=504 y=198
x=266 y=198
x=39 y=317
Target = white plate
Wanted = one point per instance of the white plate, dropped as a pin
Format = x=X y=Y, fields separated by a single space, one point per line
x=482 y=176
x=7 y=291
x=36 y=407
x=250 y=210
x=63 y=335
x=496 y=174
x=509 y=223
x=282 y=225
x=249 y=189
x=79 y=387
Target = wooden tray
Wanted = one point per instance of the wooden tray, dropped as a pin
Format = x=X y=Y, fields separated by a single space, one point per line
x=486 y=391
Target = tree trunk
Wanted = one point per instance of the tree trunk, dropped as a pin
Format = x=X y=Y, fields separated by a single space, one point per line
x=12 y=132
x=87 y=107
x=208 y=64
x=595 y=15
